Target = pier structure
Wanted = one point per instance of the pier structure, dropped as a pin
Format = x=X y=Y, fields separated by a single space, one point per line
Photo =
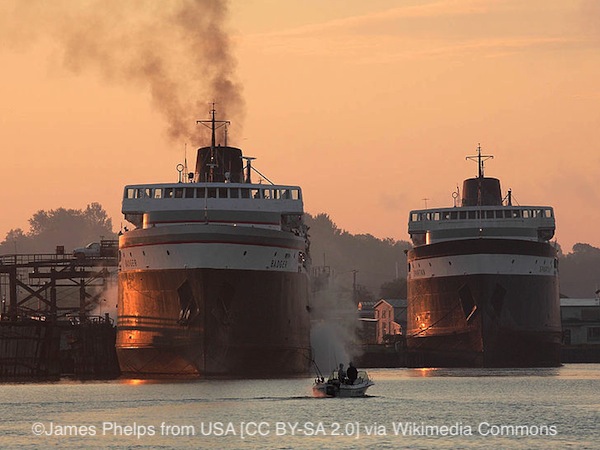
x=55 y=316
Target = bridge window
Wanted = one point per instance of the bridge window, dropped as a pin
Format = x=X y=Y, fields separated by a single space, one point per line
x=178 y=192
x=462 y=214
x=473 y=214
x=168 y=192
x=143 y=193
x=234 y=193
x=245 y=192
x=211 y=193
x=189 y=192
x=200 y=192
x=266 y=193
x=158 y=193
x=255 y=193
x=499 y=214
x=223 y=192
x=130 y=193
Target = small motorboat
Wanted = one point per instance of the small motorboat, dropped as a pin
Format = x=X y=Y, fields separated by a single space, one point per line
x=333 y=388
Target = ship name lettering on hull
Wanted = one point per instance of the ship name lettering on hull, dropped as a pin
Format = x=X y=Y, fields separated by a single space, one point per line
x=278 y=264
x=130 y=263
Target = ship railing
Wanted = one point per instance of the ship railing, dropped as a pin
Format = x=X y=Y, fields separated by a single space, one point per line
x=138 y=200
x=524 y=217
x=231 y=191
x=479 y=213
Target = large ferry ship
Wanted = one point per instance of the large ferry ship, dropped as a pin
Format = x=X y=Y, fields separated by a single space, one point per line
x=483 y=281
x=214 y=278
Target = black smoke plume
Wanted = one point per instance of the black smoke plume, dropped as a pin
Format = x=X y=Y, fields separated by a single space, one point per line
x=178 y=50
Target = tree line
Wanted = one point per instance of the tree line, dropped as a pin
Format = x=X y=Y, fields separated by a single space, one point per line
x=69 y=228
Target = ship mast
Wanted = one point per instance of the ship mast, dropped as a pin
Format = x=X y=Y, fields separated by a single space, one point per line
x=480 y=159
x=213 y=125
x=480 y=177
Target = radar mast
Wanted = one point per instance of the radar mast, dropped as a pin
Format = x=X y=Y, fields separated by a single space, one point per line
x=213 y=125
x=480 y=159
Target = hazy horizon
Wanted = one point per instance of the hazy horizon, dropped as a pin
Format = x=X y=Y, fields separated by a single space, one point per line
x=371 y=107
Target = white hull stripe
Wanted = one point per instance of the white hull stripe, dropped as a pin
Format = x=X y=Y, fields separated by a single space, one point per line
x=210 y=255
x=481 y=264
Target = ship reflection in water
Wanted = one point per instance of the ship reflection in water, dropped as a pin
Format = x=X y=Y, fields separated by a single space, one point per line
x=483 y=282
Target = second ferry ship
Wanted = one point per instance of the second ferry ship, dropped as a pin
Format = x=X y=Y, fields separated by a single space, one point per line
x=483 y=281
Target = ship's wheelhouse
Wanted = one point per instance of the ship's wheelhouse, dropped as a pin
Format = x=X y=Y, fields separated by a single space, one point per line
x=535 y=223
x=241 y=204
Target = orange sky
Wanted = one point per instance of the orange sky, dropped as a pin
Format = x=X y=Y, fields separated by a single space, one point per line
x=370 y=106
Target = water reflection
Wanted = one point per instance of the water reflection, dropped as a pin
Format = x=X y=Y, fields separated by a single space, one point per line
x=565 y=398
x=134 y=382
x=570 y=371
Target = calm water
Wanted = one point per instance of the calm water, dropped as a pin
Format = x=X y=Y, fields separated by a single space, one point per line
x=463 y=408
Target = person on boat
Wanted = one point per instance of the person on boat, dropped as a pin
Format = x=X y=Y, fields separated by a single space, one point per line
x=341 y=373
x=352 y=374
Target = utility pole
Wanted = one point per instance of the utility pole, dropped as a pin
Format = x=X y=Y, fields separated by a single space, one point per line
x=354 y=292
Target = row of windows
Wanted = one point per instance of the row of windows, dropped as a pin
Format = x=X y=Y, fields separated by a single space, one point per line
x=478 y=214
x=593 y=333
x=384 y=314
x=213 y=192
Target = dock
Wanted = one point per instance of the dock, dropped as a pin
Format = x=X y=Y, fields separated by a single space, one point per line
x=55 y=317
